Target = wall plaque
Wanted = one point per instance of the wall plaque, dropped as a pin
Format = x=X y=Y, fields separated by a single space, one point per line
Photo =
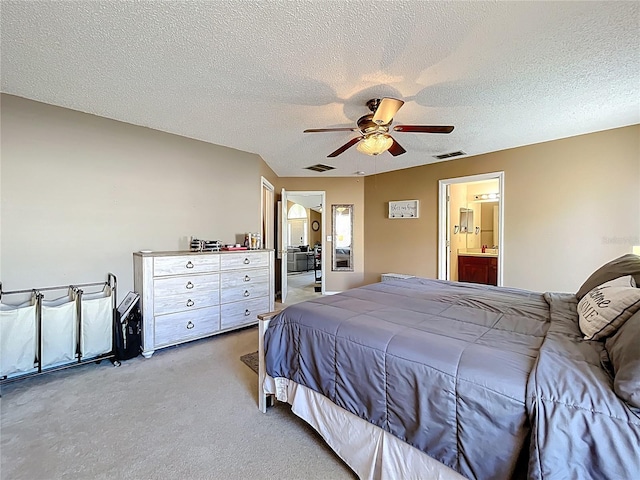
x=403 y=209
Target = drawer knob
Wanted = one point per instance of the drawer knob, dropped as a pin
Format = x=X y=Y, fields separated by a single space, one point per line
x=190 y=303
x=189 y=264
x=246 y=293
x=247 y=312
x=247 y=278
x=247 y=261
x=190 y=325
x=189 y=285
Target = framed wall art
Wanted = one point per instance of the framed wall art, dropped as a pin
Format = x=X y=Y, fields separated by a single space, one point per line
x=403 y=209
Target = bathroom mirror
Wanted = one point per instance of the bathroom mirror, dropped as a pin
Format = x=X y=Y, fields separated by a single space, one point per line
x=466 y=220
x=342 y=233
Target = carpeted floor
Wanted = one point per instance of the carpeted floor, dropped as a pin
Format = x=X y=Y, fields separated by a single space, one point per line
x=189 y=412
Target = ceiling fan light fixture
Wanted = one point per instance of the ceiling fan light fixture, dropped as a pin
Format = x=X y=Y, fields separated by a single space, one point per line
x=375 y=144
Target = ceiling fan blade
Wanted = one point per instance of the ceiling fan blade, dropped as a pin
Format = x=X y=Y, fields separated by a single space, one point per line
x=386 y=110
x=396 y=149
x=320 y=130
x=423 y=128
x=346 y=146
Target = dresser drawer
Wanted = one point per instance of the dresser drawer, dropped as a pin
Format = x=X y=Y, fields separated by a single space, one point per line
x=186 y=284
x=184 y=302
x=244 y=278
x=244 y=260
x=235 y=294
x=185 y=264
x=178 y=327
x=242 y=313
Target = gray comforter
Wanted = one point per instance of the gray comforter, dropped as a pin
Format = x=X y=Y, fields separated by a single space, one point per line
x=580 y=428
x=443 y=366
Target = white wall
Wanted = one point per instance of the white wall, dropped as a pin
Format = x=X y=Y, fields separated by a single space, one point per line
x=80 y=193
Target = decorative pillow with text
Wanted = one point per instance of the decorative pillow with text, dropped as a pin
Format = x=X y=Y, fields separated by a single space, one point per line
x=605 y=308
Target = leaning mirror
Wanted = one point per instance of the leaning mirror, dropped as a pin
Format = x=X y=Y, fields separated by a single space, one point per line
x=342 y=258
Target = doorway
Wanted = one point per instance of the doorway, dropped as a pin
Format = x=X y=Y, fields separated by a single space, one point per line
x=471 y=228
x=301 y=245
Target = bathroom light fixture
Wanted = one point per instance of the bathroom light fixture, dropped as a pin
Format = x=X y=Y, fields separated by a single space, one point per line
x=487 y=197
x=636 y=249
x=375 y=143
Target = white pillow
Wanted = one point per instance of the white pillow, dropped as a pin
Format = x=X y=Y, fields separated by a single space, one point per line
x=605 y=308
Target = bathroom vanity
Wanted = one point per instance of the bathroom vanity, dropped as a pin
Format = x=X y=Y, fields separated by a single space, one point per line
x=478 y=267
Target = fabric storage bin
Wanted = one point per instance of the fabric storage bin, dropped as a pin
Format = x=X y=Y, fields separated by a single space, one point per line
x=17 y=338
x=58 y=335
x=96 y=330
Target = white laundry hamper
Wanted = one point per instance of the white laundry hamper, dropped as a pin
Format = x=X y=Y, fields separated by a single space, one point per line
x=42 y=335
x=58 y=334
x=96 y=324
x=17 y=338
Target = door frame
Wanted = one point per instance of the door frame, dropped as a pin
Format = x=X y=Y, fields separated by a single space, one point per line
x=444 y=216
x=267 y=222
x=283 y=241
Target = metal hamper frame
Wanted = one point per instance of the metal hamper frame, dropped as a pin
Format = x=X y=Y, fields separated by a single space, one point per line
x=77 y=289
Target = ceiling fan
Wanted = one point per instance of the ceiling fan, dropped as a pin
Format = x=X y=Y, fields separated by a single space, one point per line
x=374 y=135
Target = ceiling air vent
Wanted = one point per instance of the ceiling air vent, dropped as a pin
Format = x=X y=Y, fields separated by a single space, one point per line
x=449 y=155
x=320 y=167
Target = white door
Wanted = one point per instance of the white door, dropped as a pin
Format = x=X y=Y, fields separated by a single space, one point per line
x=448 y=239
x=284 y=244
x=266 y=213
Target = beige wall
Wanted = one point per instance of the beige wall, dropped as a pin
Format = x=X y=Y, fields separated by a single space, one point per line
x=80 y=193
x=569 y=205
x=338 y=190
x=314 y=237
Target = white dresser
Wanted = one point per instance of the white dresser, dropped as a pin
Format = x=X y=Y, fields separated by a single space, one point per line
x=187 y=295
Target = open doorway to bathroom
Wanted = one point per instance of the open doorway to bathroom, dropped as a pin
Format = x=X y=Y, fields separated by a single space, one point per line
x=471 y=229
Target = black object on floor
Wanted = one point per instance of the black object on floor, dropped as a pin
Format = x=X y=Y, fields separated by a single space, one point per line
x=317 y=289
x=251 y=361
x=128 y=328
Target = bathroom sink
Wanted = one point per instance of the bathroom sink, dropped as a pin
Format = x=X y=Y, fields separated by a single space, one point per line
x=476 y=252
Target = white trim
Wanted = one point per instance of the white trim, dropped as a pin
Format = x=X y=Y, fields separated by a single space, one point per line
x=442 y=220
x=268 y=233
x=267 y=183
x=443 y=205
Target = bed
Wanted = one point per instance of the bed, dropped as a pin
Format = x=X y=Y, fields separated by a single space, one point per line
x=420 y=378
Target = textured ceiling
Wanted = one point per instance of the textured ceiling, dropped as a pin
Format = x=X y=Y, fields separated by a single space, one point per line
x=254 y=75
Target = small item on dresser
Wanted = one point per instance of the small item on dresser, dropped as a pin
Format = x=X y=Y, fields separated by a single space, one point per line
x=211 y=245
x=205 y=245
x=195 y=245
x=253 y=241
